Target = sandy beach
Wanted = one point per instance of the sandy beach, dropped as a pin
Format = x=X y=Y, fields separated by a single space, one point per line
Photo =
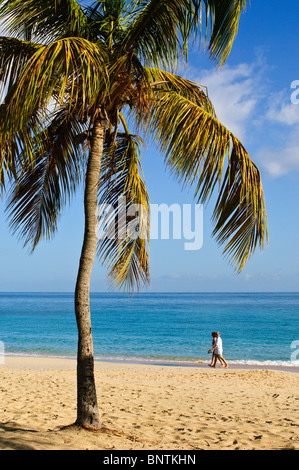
x=147 y=407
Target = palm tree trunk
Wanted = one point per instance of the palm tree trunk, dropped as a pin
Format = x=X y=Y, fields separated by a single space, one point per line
x=87 y=406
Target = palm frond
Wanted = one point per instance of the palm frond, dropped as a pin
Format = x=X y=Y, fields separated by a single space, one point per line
x=224 y=20
x=240 y=214
x=154 y=32
x=43 y=20
x=160 y=30
x=18 y=147
x=14 y=54
x=71 y=69
x=124 y=249
x=44 y=186
x=108 y=20
x=160 y=81
x=198 y=148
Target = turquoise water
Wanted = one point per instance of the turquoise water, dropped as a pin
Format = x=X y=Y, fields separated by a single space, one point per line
x=255 y=328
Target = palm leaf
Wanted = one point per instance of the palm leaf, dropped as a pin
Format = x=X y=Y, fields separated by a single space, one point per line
x=19 y=147
x=44 y=187
x=14 y=54
x=45 y=20
x=224 y=19
x=108 y=20
x=198 y=148
x=125 y=254
x=146 y=33
x=160 y=30
x=240 y=214
x=71 y=69
x=160 y=81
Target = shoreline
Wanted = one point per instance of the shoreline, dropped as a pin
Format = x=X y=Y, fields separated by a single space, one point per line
x=201 y=364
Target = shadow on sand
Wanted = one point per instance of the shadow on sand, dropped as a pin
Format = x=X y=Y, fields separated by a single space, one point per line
x=14 y=437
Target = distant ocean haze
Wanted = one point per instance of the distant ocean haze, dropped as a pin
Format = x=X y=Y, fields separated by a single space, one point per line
x=256 y=328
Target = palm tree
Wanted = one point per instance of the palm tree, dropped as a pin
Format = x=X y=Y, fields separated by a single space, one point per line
x=74 y=76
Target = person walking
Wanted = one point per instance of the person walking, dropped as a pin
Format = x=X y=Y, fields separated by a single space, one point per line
x=218 y=352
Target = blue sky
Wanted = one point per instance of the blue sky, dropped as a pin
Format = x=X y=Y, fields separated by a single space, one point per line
x=252 y=97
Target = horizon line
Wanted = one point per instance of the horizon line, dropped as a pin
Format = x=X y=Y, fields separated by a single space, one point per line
x=153 y=292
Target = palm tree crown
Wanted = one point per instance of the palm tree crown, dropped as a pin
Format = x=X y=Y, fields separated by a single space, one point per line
x=64 y=64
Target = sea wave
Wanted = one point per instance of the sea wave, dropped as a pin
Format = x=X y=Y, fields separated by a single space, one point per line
x=266 y=363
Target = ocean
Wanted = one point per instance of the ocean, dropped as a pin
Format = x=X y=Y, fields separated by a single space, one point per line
x=256 y=328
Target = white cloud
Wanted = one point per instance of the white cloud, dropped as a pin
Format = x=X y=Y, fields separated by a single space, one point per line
x=282 y=110
x=282 y=157
x=245 y=104
x=234 y=92
x=279 y=161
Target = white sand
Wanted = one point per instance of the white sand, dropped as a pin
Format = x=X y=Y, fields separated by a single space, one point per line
x=148 y=407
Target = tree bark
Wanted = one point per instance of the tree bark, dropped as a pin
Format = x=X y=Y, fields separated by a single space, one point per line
x=87 y=406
